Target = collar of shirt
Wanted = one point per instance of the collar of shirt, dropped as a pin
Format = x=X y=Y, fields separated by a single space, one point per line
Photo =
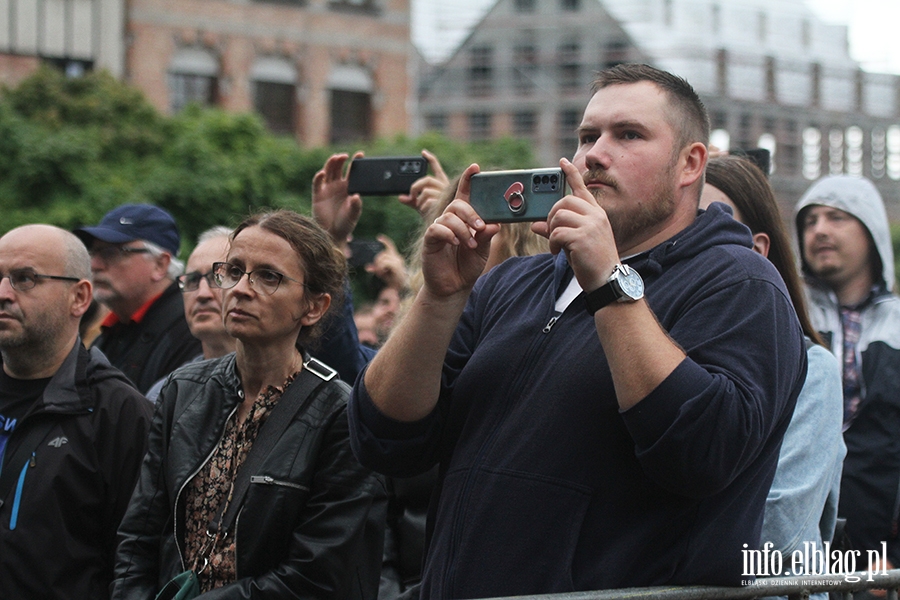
x=136 y=317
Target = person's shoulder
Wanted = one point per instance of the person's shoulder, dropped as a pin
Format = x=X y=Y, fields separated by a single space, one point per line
x=204 y=369
x=111 y=389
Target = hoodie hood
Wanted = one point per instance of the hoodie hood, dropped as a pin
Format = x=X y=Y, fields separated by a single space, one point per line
x=713 y=227
x=859 y=197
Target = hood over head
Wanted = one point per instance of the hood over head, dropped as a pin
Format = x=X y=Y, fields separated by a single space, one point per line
x=859 y=197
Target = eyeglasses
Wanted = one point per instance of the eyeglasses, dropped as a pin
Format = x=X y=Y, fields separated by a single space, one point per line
x=227 y=275
x=190 y=282
x=111 y=254
x=25 y=279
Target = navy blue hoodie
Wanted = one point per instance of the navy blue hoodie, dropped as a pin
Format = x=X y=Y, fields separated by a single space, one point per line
x=546 y=486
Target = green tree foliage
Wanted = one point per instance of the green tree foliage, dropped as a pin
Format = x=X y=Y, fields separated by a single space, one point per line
x=71 y=149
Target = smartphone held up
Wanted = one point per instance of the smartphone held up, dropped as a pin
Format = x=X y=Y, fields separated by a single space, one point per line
x=516 y=196
x=385 y=176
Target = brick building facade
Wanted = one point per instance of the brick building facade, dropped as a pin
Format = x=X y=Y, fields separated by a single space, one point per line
x=324 y=71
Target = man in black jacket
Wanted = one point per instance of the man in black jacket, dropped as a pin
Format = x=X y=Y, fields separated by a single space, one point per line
x=73 y=429
x=133 y=259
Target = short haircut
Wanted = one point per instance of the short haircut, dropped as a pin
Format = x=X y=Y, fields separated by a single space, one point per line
x=77 y=260
x=324 y=265
x=212 y=233
x=749 y=189
x=689 y=119
x=176 y=267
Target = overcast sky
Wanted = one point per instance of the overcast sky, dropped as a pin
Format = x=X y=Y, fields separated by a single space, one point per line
x=439 y=26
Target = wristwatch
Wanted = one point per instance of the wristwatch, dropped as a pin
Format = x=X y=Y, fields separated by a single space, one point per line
x=624 y=285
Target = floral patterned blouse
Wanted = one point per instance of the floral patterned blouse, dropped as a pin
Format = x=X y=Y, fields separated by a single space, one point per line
x=213 y=485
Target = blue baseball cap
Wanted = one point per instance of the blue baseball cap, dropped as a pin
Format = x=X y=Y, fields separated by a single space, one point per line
x=131 y=222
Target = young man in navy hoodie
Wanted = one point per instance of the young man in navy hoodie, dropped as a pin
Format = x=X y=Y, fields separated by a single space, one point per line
x=608 y=415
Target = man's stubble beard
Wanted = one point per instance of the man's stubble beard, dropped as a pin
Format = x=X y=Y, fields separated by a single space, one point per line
x=628 y=223
x=36 y=336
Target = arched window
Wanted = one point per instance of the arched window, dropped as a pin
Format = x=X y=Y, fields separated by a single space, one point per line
x=193 y=77
x=274 y=85
x=351 y=103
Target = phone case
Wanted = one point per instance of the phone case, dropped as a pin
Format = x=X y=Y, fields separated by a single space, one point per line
x=385 y=176
x=515 y=196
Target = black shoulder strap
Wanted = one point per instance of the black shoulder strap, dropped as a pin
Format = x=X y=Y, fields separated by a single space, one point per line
x=35 y=433
x=297 y=396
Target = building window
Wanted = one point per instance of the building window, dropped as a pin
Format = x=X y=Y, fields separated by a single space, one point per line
x=193 y=77
x=569 y=66
x=570 y=5
x=436 y=122
x=812 y=153
x=525 y=6
x=71 y=67
x=616 y=53
x=854 y=138
x=351 y=88
x=481 y=70
x=275 y=104
x=893 y=152
x=718 y=119
x=350 y=116
x=479 y=126
x=525 y=123
x=274 y=93
x=879 y=156
x=568 y=122
x=790 y=159
x=369 y=6
x=525 y=60
x=185 y=89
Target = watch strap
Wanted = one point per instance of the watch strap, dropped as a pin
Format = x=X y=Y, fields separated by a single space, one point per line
x=603 y=295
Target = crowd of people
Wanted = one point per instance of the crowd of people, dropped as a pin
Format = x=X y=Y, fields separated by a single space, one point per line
x=632 y=393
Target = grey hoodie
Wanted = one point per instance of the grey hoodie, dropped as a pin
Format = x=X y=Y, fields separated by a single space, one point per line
x=859 y=197
x=870 y=485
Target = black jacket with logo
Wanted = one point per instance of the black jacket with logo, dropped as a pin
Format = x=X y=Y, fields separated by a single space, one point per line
x=148 y=350
x=58 y=521
x=311 y=524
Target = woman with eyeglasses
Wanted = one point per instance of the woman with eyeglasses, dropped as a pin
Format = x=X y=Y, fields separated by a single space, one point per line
x=305 y=520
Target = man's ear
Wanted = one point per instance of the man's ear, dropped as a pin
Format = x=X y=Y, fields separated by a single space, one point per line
x=694 y=158
x=761 y=243
x=317 y=306
x=80 y=296
x=161 y=266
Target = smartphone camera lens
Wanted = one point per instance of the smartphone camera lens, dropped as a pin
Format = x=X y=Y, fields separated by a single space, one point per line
x=537 y=180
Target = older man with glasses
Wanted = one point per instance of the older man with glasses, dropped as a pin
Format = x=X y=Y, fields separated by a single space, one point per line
x=72 y=429
x=133 y=260
x=203 y=298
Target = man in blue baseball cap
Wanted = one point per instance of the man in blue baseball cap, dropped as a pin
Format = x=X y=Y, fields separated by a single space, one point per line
x=133 y=260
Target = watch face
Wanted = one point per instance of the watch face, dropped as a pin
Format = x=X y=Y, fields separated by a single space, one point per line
x=631 y=283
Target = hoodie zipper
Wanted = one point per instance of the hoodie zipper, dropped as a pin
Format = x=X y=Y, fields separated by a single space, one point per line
x=13 y=520
x=516 y=386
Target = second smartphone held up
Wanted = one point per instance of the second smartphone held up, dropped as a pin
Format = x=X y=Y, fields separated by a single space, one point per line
x=385 y=176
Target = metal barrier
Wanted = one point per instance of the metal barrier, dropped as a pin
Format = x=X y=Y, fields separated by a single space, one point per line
x=795 y=588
